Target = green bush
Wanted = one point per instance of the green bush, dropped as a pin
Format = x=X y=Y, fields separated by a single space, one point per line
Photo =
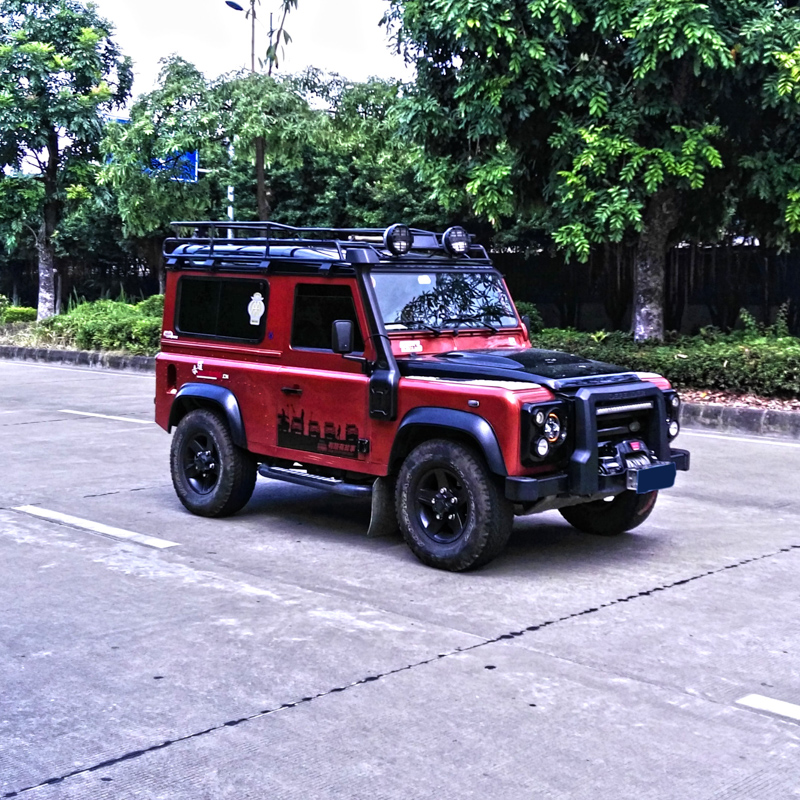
x=110 y=325
x=19 y=314
x=747 y=362
x=523 y=307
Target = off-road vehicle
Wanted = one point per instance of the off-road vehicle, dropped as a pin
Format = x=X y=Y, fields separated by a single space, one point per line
x=394 y=364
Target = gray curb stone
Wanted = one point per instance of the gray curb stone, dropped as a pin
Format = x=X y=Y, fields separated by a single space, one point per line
x=694 y=416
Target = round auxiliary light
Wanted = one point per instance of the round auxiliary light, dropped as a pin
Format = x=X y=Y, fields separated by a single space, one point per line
x=635 y=426
x=539 y=418
x=398 y=239
x=552 y=427
x=673 y=429
x=675 y=401
x=542 y=448
x=456 y=241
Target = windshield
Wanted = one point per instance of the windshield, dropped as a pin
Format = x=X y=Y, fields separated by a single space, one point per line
x=437 y=300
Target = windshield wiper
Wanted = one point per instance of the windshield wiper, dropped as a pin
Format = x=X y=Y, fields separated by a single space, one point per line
x=432 y=328
x=473 y=318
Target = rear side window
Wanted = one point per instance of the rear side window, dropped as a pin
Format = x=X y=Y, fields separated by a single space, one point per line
x=316 y=308
x=223 y=309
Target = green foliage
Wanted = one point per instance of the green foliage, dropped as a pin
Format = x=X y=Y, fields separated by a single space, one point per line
x=750 y=361
x=523 y=308
x=574 y=115
x=3 y=305
x=18 y=314
x=109 y=325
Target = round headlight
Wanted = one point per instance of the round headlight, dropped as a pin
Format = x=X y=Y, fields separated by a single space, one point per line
x=542 y=448
x=673 y=429
x=552 y=427
x=675 y=401
x=398 y=239
x=539 y=418
x=456 y=241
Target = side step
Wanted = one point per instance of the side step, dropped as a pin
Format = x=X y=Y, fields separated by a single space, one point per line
x=302 y=478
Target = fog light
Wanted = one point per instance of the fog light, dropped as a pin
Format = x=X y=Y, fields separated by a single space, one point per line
x=539 y=418
x=676 y=401
x=635 y=426
x=673 y=429
x=542 y=448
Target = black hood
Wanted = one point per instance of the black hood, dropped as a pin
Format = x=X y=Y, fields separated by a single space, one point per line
x=551 y=368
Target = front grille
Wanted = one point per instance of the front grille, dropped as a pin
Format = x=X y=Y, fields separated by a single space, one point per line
x=629 y=408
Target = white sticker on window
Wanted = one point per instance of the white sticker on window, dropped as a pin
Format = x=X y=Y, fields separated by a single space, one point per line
x=425 y=280
x=256 y=308
x=414 y=346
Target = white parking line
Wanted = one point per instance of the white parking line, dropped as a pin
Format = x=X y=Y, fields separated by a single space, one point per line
x=780 y=707
x=106 y=416
x=96 y=527
x=728 y=438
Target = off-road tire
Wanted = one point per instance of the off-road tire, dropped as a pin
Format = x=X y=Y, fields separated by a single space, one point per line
x=482 y=517
x=623 y=512
x=221 y=490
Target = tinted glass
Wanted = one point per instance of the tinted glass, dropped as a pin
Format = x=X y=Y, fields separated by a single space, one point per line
x=226 y=309
x=316 y=308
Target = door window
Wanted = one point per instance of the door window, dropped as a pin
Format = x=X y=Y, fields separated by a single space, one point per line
x=316 y=307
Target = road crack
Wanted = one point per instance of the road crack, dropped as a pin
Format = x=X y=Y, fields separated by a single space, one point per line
x=134 y=754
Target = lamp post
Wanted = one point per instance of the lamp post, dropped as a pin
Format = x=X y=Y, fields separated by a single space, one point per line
x=252 y=14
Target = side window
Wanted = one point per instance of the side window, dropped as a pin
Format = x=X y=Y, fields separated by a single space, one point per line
x=316 y=307
x=223 y=309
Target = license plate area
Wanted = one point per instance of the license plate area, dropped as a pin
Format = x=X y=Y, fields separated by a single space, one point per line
x=651 y=478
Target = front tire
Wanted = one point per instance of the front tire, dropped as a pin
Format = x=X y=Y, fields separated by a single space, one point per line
x=211 y=475
x=452 y=513
x=610 y=517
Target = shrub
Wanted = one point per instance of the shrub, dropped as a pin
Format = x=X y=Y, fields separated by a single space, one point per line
x=530 y=309
x=3 y=306
x=19 y=314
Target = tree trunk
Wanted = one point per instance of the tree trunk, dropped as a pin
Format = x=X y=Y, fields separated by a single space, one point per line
x=262 y=191
x=151 y=250
x=661 y=216
x=44 y=243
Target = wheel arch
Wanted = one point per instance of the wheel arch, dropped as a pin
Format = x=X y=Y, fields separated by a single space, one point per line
x=421 y=424
x=216 y=398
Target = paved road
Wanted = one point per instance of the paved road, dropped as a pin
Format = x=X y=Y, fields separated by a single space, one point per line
x=282 y=654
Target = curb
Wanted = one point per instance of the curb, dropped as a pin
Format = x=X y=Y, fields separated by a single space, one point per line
x=694 y=416
x=79 y=358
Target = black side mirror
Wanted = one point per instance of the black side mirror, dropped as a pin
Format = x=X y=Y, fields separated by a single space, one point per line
x=343 y=335
x=526 y=321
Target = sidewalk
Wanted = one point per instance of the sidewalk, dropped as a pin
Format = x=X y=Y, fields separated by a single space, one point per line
x=694 y=416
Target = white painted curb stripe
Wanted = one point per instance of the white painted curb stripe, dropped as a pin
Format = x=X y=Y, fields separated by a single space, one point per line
x=727 y=437
x=780 y=707
x=106 y=416
x=96 y=527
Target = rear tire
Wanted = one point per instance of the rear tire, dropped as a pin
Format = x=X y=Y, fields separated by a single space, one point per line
x=211 y=475
x=623 y=512
x=451 y=512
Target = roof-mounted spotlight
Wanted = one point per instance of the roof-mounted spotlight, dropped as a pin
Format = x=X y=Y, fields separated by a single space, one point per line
x=456 y=241
x=398 y=239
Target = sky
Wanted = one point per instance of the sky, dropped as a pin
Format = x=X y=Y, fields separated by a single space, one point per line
x=335 y=35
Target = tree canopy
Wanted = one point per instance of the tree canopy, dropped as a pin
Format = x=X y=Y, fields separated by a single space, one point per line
x=598 y=120
x=60 y=74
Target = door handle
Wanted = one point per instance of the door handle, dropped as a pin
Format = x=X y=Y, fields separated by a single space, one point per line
x=292 y=390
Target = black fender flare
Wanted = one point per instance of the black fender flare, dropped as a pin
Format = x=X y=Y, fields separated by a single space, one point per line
x=224 y=399
x=462 y=422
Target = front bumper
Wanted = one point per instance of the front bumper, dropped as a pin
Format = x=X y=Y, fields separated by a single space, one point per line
x=529 y=490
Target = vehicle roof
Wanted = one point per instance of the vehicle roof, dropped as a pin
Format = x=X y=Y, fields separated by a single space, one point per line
x=270 y=246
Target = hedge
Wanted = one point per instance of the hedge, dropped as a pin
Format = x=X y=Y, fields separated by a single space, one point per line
x=18 y=314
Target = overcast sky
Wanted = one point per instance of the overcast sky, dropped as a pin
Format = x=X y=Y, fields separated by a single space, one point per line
x=335 y=35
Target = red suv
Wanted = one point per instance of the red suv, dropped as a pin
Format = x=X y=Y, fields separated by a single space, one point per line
x=394 y=364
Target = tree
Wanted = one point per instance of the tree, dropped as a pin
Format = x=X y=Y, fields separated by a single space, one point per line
x=61 y=71
x=143 y=165
x=603 y=119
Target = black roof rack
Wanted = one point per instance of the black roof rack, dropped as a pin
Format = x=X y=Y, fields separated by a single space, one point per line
x=228 y=245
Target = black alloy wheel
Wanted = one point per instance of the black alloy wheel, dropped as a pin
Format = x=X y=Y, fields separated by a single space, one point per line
x=450 y=507
x=211 y=475
x=441 y=505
